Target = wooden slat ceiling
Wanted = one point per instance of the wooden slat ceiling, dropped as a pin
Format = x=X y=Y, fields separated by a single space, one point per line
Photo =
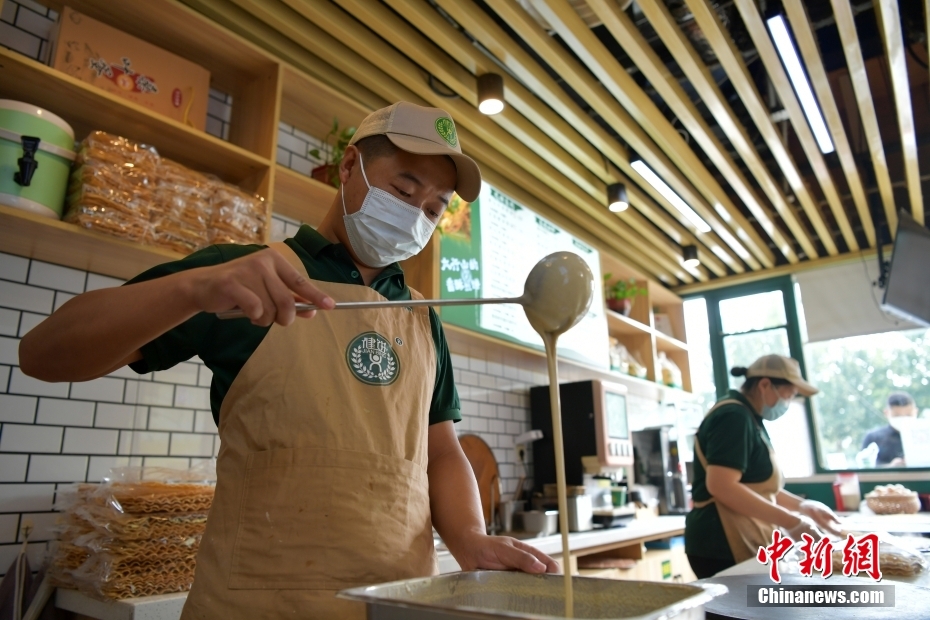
x=693 y=88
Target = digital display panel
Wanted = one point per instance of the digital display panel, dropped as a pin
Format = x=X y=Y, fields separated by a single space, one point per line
x=617 y=425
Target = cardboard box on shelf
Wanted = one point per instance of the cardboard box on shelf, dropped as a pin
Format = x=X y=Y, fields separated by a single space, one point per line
x=123 y=65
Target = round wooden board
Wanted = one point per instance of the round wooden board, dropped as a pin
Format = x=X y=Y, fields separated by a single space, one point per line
x=484 y=465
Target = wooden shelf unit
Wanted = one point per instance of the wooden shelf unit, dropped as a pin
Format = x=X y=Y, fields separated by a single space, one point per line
x=88 y=108
x=638 y=333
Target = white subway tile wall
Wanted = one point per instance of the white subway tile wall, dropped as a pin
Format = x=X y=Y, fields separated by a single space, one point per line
x=25 y=26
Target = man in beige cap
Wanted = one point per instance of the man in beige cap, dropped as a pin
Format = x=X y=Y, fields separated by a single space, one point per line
x=338 y=450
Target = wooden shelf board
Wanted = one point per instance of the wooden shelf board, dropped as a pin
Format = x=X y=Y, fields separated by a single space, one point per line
x=87 y=108
x=473 y=344
x=233 y=62
x=619 y=325
x=299 y=197
x=54 y=241
x=668 y=344
x=311 y=106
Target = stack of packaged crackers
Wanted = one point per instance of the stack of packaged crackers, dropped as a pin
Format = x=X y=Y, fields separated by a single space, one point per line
x=127 y=189
x=128 y=538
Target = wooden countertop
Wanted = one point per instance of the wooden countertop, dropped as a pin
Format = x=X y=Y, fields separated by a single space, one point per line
x=168 y=606
x=585 y=543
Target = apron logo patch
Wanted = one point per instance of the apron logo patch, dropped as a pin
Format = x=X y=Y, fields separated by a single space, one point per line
x=372 y=359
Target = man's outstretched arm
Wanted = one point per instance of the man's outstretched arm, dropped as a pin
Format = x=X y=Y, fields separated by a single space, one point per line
x=100 y=331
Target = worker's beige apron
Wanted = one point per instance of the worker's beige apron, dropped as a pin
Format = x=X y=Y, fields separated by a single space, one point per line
x=745 y=534
x=321 y=474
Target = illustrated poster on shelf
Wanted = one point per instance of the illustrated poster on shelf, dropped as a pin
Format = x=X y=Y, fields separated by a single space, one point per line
x=487 y=248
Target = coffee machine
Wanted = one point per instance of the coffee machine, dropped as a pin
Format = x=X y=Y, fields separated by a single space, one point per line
x=595 y=431
x=657 y=456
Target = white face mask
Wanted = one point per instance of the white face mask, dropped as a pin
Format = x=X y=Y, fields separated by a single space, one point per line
x=386 y=229
x=899 y=423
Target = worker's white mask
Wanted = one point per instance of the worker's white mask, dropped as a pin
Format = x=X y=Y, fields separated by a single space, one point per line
x=899 y=423
x=386 y=229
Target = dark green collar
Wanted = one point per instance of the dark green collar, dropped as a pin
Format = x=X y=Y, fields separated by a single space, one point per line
x=315 y=244
x=736 y=394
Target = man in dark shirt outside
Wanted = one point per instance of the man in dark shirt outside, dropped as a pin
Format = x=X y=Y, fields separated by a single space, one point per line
x=888 y=438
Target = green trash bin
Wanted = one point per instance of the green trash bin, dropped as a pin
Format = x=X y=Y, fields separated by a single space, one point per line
x=36 y=151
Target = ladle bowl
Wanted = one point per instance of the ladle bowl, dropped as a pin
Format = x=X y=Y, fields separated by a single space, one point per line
x=557 y=294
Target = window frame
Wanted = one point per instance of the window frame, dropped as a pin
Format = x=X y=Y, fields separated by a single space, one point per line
x=785 y=284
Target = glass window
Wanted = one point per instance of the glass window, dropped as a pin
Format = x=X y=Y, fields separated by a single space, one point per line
x=702 y=363
x=856 y=376
x=752 y=312
x=744 y=349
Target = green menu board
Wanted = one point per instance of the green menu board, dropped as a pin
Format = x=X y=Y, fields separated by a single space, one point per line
x=487 y=248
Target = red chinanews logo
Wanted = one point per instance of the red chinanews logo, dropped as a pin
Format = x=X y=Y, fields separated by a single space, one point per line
x=859 y=556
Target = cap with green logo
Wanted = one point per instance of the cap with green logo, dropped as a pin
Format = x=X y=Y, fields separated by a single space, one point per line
x=425 y=131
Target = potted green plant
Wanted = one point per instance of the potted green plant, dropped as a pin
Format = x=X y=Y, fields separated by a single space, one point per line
x=330 y=153
x=621 y=294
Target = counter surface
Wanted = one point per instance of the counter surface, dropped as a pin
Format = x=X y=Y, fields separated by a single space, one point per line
x=168 y=606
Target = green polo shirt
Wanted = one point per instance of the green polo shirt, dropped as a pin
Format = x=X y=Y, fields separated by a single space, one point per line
x=730 y=436
x=224 y=346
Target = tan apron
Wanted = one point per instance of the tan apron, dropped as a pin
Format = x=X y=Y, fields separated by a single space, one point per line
x=745 y=534
x=321 y=474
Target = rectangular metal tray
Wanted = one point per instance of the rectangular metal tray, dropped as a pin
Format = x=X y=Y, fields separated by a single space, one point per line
x=501 y=594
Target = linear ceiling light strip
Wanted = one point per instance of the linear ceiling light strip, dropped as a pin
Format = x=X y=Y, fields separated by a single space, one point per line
x=588 y=88
x=702 y=81
x=807 y=43
x=732 y=62
x=629 y=37
x=579 y=37
x=782 y=83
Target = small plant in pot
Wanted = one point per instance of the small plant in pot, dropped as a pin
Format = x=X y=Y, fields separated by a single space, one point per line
x=621 y=294
x=330 y=153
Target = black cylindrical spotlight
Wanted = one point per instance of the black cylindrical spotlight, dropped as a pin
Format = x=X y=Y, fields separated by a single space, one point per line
x=490 y=93
x=617 y=200
x=690 y=255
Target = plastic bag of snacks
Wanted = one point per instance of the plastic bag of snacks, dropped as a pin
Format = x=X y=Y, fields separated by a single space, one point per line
x=182 y=215
x=237 y=217
x=136 y=534
x=111 y=187
x=126 y=189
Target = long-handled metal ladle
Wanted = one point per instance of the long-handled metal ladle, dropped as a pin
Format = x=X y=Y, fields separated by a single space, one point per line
x=555 y=296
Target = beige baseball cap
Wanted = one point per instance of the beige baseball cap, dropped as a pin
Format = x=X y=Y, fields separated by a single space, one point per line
x=425 y=131
x=781 y=367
